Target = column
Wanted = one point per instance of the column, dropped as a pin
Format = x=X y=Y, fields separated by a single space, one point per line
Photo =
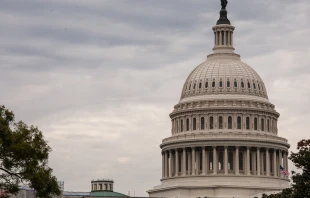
x=193 y=160
x=203 y=160
x=248 y=161
x=267 y=162
x=176 y=171
x=214 y=39
x=254 y=163
x=189 y=163
x=275 y=169
x=220 y=34
x=207 y=162
x=225 y=41
x=280 y=162
x=226 y=160
x=170 y=164
x=214 y=164
x=197 y=157
x=184 y=162
x=163 y=164
x=166 y=164
x=229 y=38
x=262 y=163
x=237 y=161
x=258 y=161
x=285 y=160
x=232 y=38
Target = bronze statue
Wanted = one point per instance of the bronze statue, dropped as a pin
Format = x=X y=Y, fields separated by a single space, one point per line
x=224 y=4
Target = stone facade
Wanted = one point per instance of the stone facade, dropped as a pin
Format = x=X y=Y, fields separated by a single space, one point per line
x=224 y=138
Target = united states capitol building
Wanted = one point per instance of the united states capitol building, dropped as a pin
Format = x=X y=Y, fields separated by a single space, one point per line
x=224 y=140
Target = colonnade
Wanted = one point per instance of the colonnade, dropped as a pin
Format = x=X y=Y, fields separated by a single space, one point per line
x=223 y=160
x=223 y=37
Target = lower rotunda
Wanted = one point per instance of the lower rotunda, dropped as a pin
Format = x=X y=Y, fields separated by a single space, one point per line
x=224 y=140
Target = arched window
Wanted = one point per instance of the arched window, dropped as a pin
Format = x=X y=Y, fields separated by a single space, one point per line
x=229 y=122
x=268 y=125
x=211 y=122
x=258 y=86
x=228 y=83
x=236 y=84
x=255 y=124
x=181 y=125
x=187 y=124
x=199 y=85
x=213 y=84
x=194 y=124
x=242 y=84
x=254 y=85
x=195 y=86
x=247 y=123
x=207 y=85
x=249 y=85
x=221 y=83
x=202 y=123
x=220 y=122
x=239 y=122
x=189 y=87
x=263 y=124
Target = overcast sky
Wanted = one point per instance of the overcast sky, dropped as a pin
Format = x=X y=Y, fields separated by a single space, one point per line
x=99 y=77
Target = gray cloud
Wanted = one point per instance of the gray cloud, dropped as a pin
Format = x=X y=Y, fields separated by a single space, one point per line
x=99 y=77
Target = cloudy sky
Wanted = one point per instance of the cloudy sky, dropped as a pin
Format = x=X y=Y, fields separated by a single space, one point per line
x=99 y=77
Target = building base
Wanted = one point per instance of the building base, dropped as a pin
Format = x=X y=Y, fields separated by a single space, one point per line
x=218 y=186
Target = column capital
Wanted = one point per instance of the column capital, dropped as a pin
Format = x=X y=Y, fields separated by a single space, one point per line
x=226 y=147
x=258 y=148
x=184 y=148
x=248 y=147
x=214 y=147
x=170 y=151
x=203 y=147
x=176 y=150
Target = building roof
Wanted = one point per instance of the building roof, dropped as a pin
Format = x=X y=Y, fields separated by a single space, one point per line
x=107 y=194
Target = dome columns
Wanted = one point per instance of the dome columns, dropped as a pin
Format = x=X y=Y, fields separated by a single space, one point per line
x=224 y=160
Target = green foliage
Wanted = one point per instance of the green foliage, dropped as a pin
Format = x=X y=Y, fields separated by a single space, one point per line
x=24 y=157
x=301 y=181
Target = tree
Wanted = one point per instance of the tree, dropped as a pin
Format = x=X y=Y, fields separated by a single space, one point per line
x=301 y=181
x=24 y=157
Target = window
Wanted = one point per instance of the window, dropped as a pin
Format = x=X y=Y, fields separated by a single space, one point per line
x=263 y=124
x=228 y=83
x=254 y=85
x=255 y=124
x=258 y=86
x=181 y=125
x=247 y=123
x=195 y=86
x=221 y=83
x=229 y=122
x=242 y=84
x=189 y=87
x=268 y=125
x=100 y=187
x=249 y=85
x=187 y=124
x=199 y=85
x=239 y=122
x=202 y=123
x=194 y=124
x=235 y=84
x=207 y=85
x=111 y=187
x=211 y=122
x=220 y=122
x=177 y=126
x=213 y=84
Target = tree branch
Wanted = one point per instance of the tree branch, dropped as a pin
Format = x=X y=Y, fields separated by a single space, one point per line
x=15 y=174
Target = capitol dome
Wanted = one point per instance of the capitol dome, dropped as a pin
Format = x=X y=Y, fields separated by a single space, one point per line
x=224 y=138
x=226 y=77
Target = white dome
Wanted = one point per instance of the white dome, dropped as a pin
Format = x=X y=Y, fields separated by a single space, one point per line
x=223 y=75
